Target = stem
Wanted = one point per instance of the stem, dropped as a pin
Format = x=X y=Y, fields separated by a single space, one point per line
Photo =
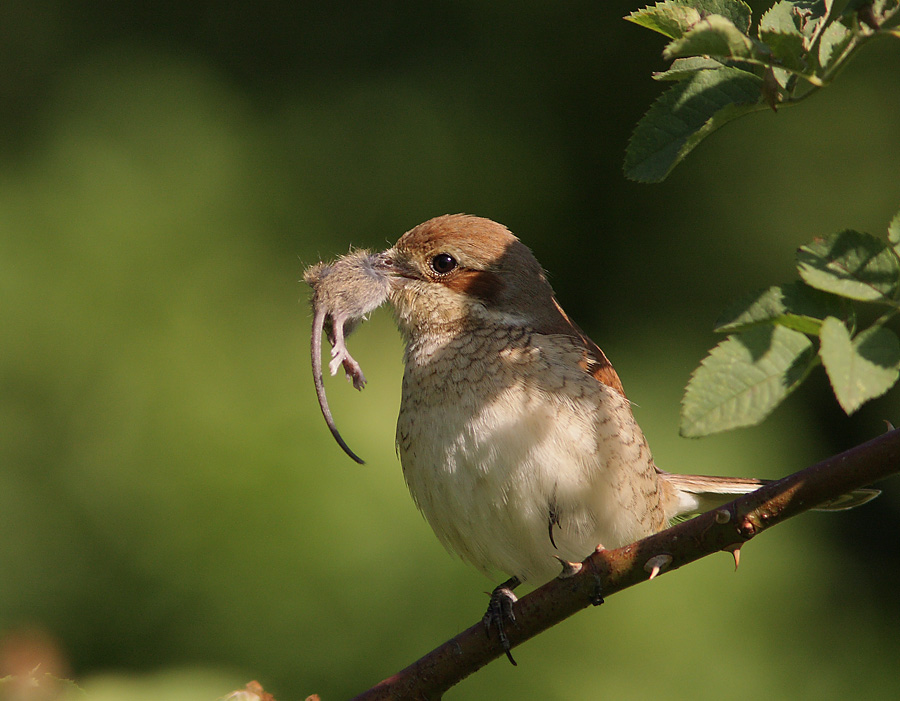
x=725 y=528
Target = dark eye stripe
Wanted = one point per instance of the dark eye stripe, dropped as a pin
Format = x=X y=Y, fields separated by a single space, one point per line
x=483 y=285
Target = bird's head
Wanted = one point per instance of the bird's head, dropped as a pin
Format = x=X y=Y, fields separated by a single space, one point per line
x=458 y=271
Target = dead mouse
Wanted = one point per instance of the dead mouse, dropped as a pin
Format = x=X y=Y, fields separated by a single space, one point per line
x=344 y=292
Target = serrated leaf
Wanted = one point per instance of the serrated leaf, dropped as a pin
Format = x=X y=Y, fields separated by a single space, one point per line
x=675 y=17
x=778 y=29
x=836 y=37
x=682 y=68
x=861 y=368
x=894 y=233
x=791 y=28
x=811 y=17
x=850 y=264
x=715 y=35
x=744 y=378
x=684 y=115
x=735 y=10
x=888 y=12
x=780 y=18
x=787 y=50
x=669 y=18
x=794 y=305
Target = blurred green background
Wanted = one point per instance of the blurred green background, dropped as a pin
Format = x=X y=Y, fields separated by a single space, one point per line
x=175 y=518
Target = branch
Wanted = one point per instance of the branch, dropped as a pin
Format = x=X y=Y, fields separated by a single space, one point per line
x=725 y=528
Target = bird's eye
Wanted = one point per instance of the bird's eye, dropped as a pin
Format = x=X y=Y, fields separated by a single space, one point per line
x=443 y=263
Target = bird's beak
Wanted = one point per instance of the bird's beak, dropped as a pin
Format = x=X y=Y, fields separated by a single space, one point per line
x=392 y=264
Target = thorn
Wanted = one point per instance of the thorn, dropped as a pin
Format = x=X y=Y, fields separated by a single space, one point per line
x=599 y=547
x=723 y=516
x=657 y=564
x=735 y=551
x=890 y=426
x=569 y=569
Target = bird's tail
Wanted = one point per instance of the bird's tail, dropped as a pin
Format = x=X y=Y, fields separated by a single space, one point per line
x=698 y=493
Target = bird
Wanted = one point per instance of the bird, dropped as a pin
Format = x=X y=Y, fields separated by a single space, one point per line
x=515 y=436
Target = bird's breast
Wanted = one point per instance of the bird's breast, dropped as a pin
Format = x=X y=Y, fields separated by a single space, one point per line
x=500 y=434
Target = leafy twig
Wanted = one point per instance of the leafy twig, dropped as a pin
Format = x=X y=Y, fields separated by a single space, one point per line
x=723 y=70
x=779 y=335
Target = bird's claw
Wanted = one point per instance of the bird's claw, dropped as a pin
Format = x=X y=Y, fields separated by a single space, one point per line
x=500 y=611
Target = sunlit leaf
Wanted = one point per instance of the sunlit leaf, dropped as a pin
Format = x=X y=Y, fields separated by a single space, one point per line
x=669 y=18
x=894 y=233
x=794 y=305
x=778 y=29
x=715 y=36
x=861 y=368
x=780 y=18
x=836 y=37
x=686 y=114
x=851 y=264
x=744 y=378
x=736 y=11
x=673 y=18
x=685 y=67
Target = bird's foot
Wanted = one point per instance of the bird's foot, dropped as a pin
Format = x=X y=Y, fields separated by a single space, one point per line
x=500 y=612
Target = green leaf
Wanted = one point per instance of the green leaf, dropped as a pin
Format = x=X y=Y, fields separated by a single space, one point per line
x=738 y=12
x=686 y=114
x=779 y=18
x=716 y=36
x=686 y=67
x=836 y=37
x=862 y=368
x=850 y=264
x=778 y=29
x=670 y=18
x=894 y=233
x=674 y=18
x=744 y=378
x=811 y=17
x=794 y=305
x=888 y=12
x=787 y=50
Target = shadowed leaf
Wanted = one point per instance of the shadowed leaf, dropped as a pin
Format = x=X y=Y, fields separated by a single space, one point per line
x=744 y=378
x=894 y=233
x=851 y=264
x=684 y=115
x=794 y=305
x=715 y=36
x=861 y=368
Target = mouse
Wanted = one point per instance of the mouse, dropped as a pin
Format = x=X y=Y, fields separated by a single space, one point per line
x=344 y=293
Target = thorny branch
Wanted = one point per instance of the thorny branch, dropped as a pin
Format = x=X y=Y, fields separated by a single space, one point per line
x=725 y=528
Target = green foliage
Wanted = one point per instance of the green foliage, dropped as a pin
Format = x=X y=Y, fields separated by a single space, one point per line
x=851 y=264
x=685 y=114
x=774 y=332
x=174 y=511
x=795 y=305
x=744 y=378
x=723 y=72
x=860 y=368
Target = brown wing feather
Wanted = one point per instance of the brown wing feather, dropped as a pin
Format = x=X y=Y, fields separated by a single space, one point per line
x=594 y=362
